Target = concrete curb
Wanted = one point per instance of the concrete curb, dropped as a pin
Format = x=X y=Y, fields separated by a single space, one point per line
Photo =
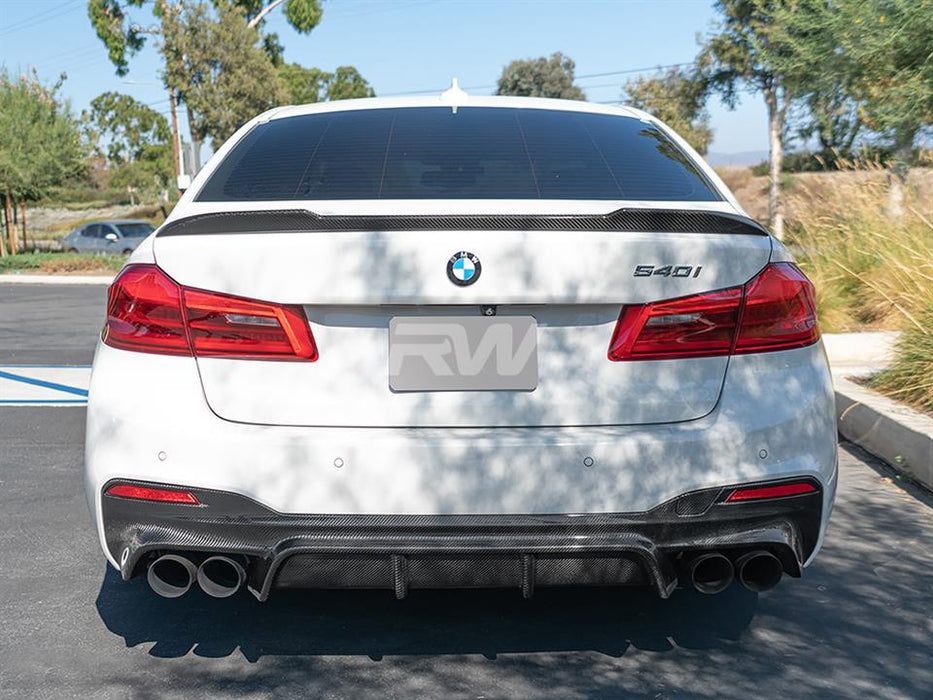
x=56 y=279
x=899 y=435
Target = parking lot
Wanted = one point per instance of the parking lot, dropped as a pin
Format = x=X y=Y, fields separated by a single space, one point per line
x=859 y=624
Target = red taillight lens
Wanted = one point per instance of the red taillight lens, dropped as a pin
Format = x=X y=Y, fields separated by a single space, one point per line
x=144 y=312
x=776 y=310
x=778 y=491
x=149 y=312
x=221 y=326
x=779 y=311
x=144 y=493
x=696 y=326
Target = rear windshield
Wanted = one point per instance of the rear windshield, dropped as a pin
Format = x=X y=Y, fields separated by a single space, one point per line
x=475 y=153
x=135 y=230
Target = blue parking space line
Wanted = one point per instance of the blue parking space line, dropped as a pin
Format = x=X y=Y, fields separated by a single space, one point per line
x=47 y=385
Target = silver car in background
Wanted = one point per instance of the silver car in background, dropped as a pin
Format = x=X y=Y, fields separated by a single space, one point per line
x=118 y=236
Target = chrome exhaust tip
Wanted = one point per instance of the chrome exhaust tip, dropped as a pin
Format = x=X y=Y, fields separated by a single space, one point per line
x=221 y=577
x=171 y=575
x=710 y=573
x=759 y=571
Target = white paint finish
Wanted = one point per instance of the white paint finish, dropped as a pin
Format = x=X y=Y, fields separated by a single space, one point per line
x=781 y=402
x=349 y=385
x=573 y=283
x=409 y=267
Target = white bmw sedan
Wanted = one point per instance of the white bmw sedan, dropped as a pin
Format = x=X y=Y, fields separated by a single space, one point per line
x=459 y=342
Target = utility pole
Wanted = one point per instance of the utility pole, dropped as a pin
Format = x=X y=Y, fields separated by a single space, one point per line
x=176 y=139
x=195 y=142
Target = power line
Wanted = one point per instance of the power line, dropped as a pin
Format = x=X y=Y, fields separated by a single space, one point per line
x=626 y=71
x=40 y=17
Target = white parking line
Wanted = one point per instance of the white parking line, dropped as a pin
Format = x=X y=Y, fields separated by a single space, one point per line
x=44 y=385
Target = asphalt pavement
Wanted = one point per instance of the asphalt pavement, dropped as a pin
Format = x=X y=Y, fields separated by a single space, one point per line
x=859 y=624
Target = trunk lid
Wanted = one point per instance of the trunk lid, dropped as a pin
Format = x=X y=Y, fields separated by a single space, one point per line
x=352 y=284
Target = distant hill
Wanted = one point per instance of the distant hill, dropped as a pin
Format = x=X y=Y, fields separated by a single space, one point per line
x=717 y=159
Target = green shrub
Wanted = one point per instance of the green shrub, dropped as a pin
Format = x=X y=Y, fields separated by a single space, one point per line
x=55 y=263
x=910 y=377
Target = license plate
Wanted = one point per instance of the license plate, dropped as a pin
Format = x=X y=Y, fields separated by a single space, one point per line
x=463 y=353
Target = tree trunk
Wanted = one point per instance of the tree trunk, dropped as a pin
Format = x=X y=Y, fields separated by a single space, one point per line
x=6 y=231
x=776 y=157
x=263 y=12
x=11 y=220
x=22 y=205
x=897 y=174
x=176 y=146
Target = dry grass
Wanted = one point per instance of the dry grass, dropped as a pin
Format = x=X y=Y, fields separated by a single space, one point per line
x=870 y=271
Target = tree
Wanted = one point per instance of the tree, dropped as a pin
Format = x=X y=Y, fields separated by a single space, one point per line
x=129 y=127
x=41 y=144
x=217 y=67
x=124 y=37
x=677 y=98
x=832 y=115
x=308 y=85
x=540 y=77
x=135 y=139
x=887 y=47
x=771 y=47
x=348 y=84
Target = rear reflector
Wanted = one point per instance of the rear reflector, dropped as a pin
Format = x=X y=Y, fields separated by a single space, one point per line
x=143 y=493
x=775 y=310
x=778 y=491
x=148 y=311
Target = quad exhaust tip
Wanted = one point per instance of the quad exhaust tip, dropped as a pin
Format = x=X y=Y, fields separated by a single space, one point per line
x=759 y=571
x=171 y=575
x=220 y=577
x=710 y=573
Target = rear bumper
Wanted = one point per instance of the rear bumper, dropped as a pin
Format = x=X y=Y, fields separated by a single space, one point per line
x=399 y=552
x=148 y=423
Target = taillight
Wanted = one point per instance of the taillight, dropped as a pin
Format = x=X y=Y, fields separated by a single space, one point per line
x=696 y=326
x=220 y=325
x=148 y=311
x=775 y=310
x=779 y=311
x=144 y=313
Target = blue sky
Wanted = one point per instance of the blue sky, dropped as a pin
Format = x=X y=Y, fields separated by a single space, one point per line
x=403 y=46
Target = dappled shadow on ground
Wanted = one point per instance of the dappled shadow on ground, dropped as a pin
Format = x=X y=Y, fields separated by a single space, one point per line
x=857 y=625
x=374 y=624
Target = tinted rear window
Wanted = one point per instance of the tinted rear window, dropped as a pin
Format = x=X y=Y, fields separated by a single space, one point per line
x=477 y=153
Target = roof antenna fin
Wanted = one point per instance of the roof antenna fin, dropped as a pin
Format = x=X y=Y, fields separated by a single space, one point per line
x=454 y=95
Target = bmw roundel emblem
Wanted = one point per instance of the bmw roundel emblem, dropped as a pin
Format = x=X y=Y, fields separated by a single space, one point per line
x=463 y=268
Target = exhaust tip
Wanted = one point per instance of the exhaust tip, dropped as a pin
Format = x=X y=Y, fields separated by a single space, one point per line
x=171 y=575
x=220 y=577
x=759 y=571
x=710 y=573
